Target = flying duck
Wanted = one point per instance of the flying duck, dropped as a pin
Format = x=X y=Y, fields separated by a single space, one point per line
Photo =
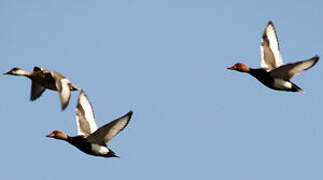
x=91 y=139
x=273 y=73
x=42 y=79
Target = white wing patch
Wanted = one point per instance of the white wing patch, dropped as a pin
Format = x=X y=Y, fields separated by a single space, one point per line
x=270 y=54
x=282 y=84
x=85 y=120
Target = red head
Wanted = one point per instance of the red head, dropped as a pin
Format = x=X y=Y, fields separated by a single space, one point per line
x=240 y=67
x=57 y=134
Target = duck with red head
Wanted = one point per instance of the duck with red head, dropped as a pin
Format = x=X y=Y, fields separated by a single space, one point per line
x=91 y=139
x=273 y=73
x=82 y=144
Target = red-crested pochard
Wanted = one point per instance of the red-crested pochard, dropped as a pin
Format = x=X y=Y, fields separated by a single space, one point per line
x=273 y=73
x=42 y=79
x=90 y=139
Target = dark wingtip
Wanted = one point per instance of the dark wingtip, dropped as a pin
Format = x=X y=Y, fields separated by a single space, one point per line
x=64 y=106
x=36 y=68
x=32 y=98
x=270 y=22
x=81 y=91
x=316 y=59
x=130 y=113
x=74 y=88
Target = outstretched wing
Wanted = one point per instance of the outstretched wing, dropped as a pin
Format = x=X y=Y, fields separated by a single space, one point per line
x=39 y=69
x=85 y=116
x=107 y=132
x=287 y=71
x=36 y=90
x=270 y=54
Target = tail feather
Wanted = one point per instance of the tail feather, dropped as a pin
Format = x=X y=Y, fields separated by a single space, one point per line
x=74 y=88
x=298 y=89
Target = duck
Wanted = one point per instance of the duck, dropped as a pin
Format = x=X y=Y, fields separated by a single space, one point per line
x=42 y=79
x=273 y=73
x=91 y=139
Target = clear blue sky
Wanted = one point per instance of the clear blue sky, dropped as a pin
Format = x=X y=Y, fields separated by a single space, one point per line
x=166 y=61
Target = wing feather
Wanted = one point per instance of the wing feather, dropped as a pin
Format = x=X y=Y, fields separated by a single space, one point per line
x=270 y=54
x=64 y=92
x=288 y=71
x=107 y=132
x=85 y=116
x=63 y=88
x=36 y=90
x=39 y=69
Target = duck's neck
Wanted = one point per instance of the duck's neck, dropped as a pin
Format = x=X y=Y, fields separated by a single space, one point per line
x=68 y=138
x=257 y=71
x=22 y=72
x=250 y=71
x=74 y=139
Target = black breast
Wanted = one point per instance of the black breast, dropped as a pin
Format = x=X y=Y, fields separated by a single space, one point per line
x=81 y=143
x=263 y=76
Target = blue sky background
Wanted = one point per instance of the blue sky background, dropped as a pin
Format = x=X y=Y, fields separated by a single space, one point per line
x=166 y=61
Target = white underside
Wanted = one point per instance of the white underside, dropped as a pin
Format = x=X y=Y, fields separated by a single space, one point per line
x=98 y=149
x=282 y=84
